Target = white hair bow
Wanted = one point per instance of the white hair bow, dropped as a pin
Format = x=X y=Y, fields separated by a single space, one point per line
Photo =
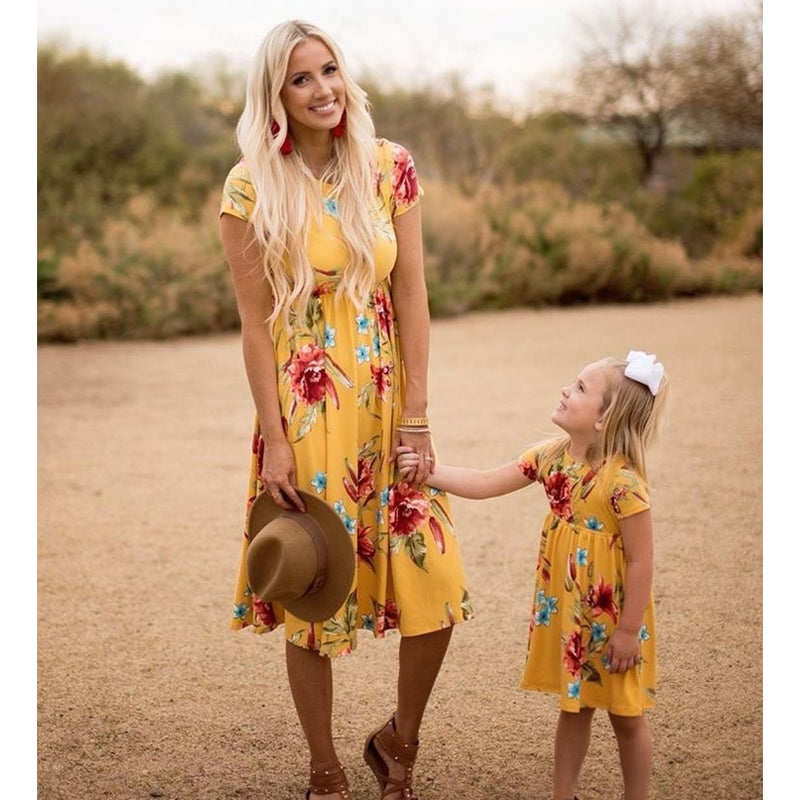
x=644 y=368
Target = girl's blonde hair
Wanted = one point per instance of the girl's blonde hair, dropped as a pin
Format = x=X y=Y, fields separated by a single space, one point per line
x=288 y=195
x=631 y=418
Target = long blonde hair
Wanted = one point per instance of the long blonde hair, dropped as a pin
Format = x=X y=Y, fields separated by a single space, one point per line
x=288 y=196
x=631 y=418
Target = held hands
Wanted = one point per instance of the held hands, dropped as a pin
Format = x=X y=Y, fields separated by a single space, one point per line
x=411 y=464
x=622 y=651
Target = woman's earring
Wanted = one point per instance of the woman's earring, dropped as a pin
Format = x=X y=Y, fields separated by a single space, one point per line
x=286 y=144
x=341 y=126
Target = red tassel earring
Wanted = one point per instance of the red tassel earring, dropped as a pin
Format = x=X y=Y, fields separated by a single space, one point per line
x=286 y=144
x=341 y=126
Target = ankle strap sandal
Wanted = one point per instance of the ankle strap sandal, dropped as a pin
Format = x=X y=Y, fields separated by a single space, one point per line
x=403 y=754
x=329 y=781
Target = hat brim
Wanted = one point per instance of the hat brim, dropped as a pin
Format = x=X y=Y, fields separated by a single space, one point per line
x=325 y=602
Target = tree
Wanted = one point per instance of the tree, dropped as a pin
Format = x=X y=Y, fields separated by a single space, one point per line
x=721 y=72
x=625 y=78
x=639 y=75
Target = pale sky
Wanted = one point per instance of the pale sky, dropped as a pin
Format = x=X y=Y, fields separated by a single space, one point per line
x=509 y=44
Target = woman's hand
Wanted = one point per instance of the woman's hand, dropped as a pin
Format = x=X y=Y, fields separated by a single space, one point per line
x=279 y=476
x=420 y=445
x=407 y=461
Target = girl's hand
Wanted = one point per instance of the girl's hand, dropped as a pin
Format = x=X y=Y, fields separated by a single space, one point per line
x=622 y=651
x=279 y=476
x=407 y=460
x=420 y=444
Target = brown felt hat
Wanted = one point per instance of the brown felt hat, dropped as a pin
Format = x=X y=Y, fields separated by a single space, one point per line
x=304 y=561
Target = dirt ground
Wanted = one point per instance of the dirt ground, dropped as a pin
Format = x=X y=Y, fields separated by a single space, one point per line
x=143 y=691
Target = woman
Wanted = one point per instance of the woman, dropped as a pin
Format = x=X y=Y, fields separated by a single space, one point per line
x=321 y=227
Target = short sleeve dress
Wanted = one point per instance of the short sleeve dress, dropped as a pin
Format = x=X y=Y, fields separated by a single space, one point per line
x=578 y=593
x=341 y=385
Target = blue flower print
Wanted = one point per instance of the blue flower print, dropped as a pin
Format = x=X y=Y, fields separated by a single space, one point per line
x=644 y=634
x=385 y=497
x=598 y=632
x=540 y=597
x=368 y=621
x=362 y=354
x=349 y=523
x=376 y=344
x=319 y=482
x=362 y=324
x=542 y=616
x=581 y=557
x=338 y=507
x=239 y=611
x=574 y=690
x=594 y=524
x=330 y=337
x=329 y=204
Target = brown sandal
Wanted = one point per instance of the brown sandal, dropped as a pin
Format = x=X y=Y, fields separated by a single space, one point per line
x=329 y=781
x=404 y=754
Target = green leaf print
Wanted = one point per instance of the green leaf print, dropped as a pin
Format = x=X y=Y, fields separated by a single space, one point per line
x=307 y=422
x=415 y=547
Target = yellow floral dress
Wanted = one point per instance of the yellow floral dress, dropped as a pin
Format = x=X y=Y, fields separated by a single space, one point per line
x=340 y=381
x=578 y=595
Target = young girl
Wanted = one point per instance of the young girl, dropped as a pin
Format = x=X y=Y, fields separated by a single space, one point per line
x=591 y=638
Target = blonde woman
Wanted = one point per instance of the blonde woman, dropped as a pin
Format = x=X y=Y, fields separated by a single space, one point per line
x=321 y=226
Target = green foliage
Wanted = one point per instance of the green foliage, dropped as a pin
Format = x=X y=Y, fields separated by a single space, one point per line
x=537 y=211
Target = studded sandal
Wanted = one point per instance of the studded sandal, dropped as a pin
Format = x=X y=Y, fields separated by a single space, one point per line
x=329 y=781
x=403 y=754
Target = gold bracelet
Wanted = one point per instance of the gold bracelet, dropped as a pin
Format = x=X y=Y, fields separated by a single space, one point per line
x=414 y=422
x=416 y=429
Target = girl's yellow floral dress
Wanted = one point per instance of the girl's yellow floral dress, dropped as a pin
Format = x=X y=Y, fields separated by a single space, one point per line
x=340 y=380
x=580 y=575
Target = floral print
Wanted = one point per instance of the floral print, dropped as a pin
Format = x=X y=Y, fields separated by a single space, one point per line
x=580 y=573
x=341 y=390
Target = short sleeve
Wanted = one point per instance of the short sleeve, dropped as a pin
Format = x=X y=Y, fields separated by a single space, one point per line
x=405 y=190
x=528 y=463
x=238 y=195
x=629 y=494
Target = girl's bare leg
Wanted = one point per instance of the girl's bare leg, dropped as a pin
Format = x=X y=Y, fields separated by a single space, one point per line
x=635 y=754
x=573 y=733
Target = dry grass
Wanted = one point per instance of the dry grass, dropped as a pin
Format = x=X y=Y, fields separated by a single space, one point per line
x=143 y=692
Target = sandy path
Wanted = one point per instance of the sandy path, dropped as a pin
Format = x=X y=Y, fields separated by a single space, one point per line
x=144 y=692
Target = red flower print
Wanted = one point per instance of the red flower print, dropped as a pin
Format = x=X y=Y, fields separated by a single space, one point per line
x=360 y=484
x=616 y=496
x=264 y=612
x=408 y=507
x=310 y=380
x=544 y=568
x=404 y=178
x=384 y=311
x=574 y=654
x=558 y=490
x=438 y=534
x=391 y=615
x=529 y=470
x=601 y=599
x=365 y=546
x=312 y=636
x=571 y=569
x=382 y=378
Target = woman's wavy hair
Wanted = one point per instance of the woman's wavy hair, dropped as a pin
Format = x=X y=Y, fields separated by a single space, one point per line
x=631 y=419
x=288 y=195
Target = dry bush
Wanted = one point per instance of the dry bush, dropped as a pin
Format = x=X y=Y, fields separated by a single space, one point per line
x=152 y=274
